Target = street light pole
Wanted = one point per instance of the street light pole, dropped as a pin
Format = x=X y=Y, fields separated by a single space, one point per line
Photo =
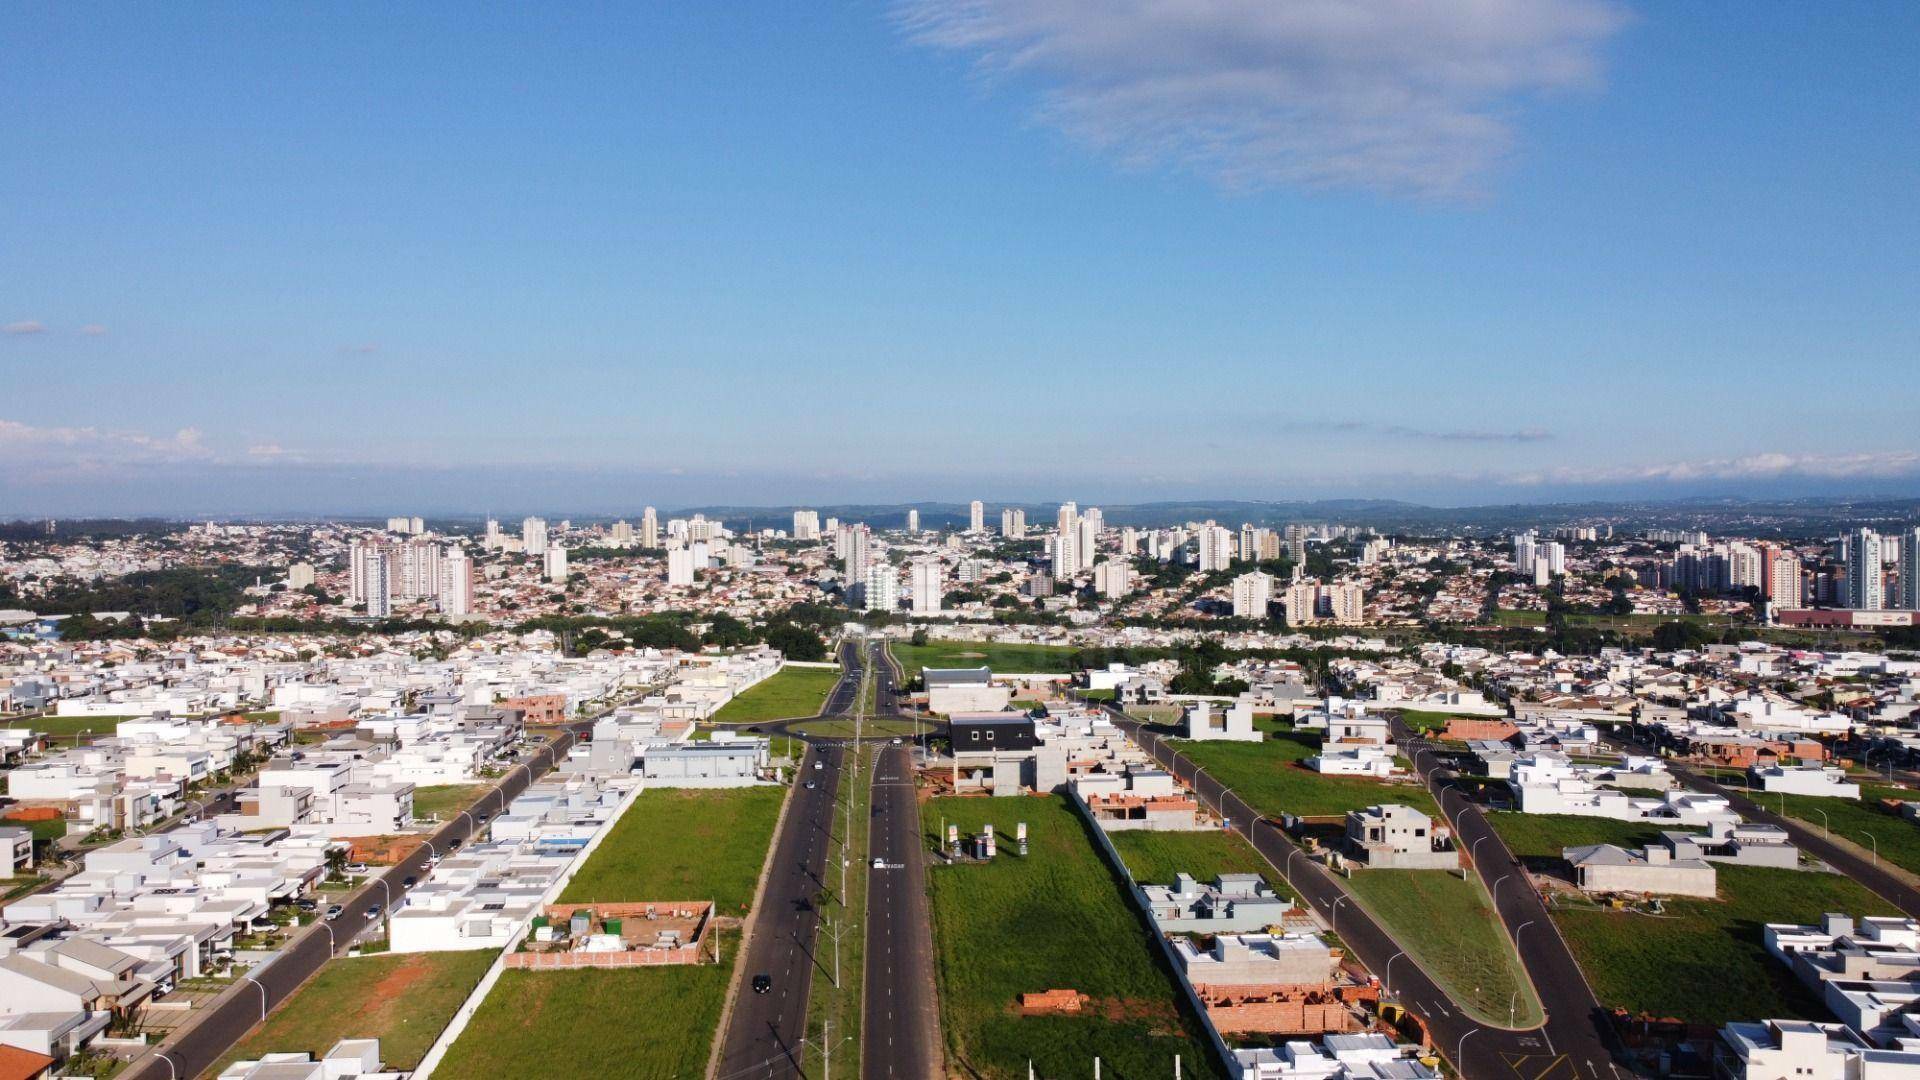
x=1461 y=1048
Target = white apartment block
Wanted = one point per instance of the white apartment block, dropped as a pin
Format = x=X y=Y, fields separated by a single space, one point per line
x=929 y=584
x=1252 y=595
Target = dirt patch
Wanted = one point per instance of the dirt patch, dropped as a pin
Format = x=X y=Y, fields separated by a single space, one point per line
x=394 y=984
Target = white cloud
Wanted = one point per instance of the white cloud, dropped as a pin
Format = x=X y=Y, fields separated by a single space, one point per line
x=92 y=449
x=1410 y=97
x=1866 y=465
x=25 y=326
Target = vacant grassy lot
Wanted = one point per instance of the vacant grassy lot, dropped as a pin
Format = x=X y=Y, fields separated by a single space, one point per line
x=1426 y=721
x=442 y=801
x=1021 y=659
x=1056 y=919
x=640 y=1022
x=1702 y=961
x=1862 y=823
x=1447 y=923
x=402 y=1000
x=68 y=729
x=1154 y=857
x=787 y=694
x=683 y=844
x=1270 y=777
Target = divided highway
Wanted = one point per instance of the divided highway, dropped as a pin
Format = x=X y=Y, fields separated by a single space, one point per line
x=765 y=1032
x=900 y=1026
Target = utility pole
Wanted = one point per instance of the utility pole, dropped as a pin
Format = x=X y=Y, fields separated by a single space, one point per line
x=836 y=928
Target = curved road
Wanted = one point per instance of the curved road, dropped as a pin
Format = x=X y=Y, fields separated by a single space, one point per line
x=1567 y=1047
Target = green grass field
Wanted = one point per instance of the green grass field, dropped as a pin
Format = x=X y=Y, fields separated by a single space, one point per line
x=404 y=1000
x=64 y=729
x=1426 y=721
x=638 y=1022
x=1862 y=823
x=442 y=801
x=1269 y=776
x=1154 y=857
x=683 y=844
x=1448 y=924
x=1057 y=919
x=1022 y=659
x=1701 y=961
x=790 y=693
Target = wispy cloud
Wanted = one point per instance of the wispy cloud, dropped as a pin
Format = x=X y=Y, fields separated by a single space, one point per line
x=93 y=330
x=92 y=449
x=1865 y=465
x=1405 y=97
x=25 y=326
x=1407 y=431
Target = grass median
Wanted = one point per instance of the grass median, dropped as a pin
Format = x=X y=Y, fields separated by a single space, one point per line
x=1447 y=923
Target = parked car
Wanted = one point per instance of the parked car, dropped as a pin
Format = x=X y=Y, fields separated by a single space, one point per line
x=334 y=911
x=409 y=882
x=373 y=911
x=306 y=904
x=762 y=983
x=355 y=868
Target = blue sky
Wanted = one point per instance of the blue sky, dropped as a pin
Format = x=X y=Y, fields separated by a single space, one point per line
x=257 y=258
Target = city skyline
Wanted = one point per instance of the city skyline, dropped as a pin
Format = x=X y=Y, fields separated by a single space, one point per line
x=275 y=266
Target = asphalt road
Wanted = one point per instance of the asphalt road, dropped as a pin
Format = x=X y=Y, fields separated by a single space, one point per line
x=765 y=1033
x=229 y=1017
x=1563 y=1049
x=900 y=1025
x=1576 y=1024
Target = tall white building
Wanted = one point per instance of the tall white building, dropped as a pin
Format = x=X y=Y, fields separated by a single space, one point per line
x=913 y=521
x=1087 y=533
x=1866 y=590
x=370 y=577
x=622 y=535
x=1252 y=595
x=858 y=554
x=1013 y=523
x=1113 y=578
x=1910 y=570
x=1780 y=577
x=929 y=585
x=1343 y=602
x=456 y=583
x=299 y=576
x=419 y=569
x=1216 y=547
x=1523 y=553
x=557 y=563
x=1066 y=555
x=491 y=541
x=680 y=566
x=649 y=529
x=977 y=516
x=881 y=587
x=533 y=536
x=806 y=524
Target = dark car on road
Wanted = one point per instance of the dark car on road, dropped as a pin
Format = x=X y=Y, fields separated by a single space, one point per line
x=762 y=983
